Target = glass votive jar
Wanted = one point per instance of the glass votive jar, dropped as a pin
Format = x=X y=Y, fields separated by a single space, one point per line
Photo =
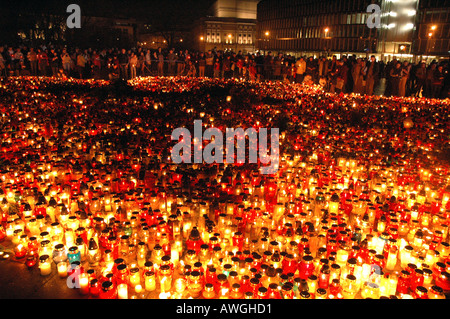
x=165 y=278
x=349 y=287
x=45 y=265
x=73 y=254
x=20 y=251
x=312 y=282
x=135 y=277
x=180 y=286
x=149 y=281
x=436 y=292
x=94 y=288
x=370 y=290
x=209 y=292
x=59 y=253
x=403 y=282
x=320 y=293
x=83 y=281
x=108 y=290
x=122 y=291
x=287 y=291
x=236 y=291
x=195 y=284
x=306 y=267
x=62 y=269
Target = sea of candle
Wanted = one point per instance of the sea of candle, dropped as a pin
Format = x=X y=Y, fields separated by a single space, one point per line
x=329 y=193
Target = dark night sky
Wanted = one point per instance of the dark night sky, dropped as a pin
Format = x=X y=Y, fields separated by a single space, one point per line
x=182 y=10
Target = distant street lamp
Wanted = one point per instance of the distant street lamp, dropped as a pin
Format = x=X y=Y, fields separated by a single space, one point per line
x=327 y=49
x=430 y=36
x=266 y=40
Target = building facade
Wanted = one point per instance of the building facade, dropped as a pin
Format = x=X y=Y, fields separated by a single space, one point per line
x=431 y=38
x=300 y=27
x=230 y=25
x=314 y=27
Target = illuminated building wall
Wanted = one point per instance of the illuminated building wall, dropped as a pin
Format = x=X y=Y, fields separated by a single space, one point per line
x=397 y=26
x=431 y=39
x=315 y=27
x=308 y=27
x=241 y=9
x=231 y=25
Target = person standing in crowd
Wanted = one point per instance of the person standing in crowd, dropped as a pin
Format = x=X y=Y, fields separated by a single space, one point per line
x=201 y=65
x=323 y=66
x=395 y=75
x=371 y=75
x=357 y=75
x=259 y=59
x=148 y=61
x=268 y=66
x=32 y=58
x=285 y=66
x=252 y=71
x=438 y=82
x=123 y=64
x=96 y=63
x=342 y=77
x=301 y=69
x=19 y=61
x=209 y=62
x=404 y=75
x=311 y=68
x=42 y=62
x=421 y=74
x=54 y=62
x=216 y=67
x=155 y=63
x=180 y=63
x=429 y=80
x=332 y=64
x=133 y=65
x=226 y=67
x=172 y=60
x=81 y=64
x=277 y=67
x=239 y=65
x=160 y=62
x=66 y=61
x=141 y=63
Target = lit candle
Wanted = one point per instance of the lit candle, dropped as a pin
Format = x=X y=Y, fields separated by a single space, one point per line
x=122 y=290
x=45 y=265
x=174 y=256
x=135 y=277
x=84 y=284
x=164 y=295
x=150 y=282
x=62 y=269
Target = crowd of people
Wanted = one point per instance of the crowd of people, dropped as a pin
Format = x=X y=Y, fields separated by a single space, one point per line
x=347 y=74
